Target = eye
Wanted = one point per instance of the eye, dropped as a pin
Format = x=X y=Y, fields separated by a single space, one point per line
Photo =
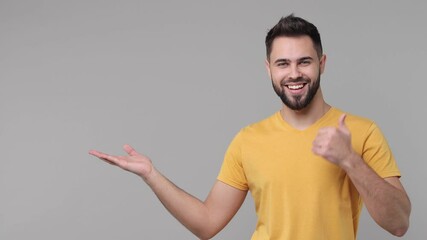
x=282 y=64
x=305 y=62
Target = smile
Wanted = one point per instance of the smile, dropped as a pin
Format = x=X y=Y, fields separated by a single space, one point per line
x=296 y=87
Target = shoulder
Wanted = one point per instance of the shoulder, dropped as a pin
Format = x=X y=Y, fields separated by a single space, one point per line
x=266 y=125
x=255 y=131
x=364 y=131
x=258 y=130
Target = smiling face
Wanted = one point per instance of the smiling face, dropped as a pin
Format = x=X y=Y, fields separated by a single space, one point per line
x=295 y=68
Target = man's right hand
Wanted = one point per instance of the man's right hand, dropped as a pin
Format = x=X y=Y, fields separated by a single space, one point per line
x=204 y=219
x=134 y=162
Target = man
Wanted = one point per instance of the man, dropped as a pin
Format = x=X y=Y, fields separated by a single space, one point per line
x=308 y=167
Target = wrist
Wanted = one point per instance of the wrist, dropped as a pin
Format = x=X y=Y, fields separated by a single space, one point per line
x=351 y=162
x=151 y=176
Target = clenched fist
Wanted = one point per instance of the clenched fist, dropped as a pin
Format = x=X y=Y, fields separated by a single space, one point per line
x=334 y=144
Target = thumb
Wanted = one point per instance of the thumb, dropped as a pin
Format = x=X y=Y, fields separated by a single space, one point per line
x=130 y=150
x=341 y=122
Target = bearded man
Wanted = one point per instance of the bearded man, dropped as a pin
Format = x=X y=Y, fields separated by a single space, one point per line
x=309 y=166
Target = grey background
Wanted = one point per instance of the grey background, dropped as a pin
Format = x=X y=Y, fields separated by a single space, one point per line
x=177 y=80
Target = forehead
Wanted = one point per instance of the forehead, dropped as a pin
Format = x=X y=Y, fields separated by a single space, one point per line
x=292 y=48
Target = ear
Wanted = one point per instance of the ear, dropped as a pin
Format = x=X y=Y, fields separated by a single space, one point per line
x=267 y=66
x=322 y=63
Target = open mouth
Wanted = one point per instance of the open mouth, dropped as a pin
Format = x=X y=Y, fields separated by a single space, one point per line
x=295 y=86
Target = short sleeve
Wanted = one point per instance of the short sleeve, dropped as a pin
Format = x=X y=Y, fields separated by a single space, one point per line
x=378 y=155
x=232 y=172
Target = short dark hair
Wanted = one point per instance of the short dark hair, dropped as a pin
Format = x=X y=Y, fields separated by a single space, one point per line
x=292 y=26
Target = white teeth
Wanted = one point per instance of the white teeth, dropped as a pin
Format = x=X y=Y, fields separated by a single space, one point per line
x=295 y=87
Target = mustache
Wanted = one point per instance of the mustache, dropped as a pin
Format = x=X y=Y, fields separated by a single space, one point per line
x=295 y=80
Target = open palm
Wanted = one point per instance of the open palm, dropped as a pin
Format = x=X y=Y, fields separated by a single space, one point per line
x=133 y=162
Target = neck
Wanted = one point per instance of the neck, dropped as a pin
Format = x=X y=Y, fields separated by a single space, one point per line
x=302 y=119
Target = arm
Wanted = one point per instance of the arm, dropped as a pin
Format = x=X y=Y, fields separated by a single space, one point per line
x=204 y=219
x=385 y=199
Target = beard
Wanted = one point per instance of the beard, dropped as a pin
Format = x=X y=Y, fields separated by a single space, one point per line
x=297 y=102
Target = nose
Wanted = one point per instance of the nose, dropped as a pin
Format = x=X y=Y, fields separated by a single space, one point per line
x=294 y=72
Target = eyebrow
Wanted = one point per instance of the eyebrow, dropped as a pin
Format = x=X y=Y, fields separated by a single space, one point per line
x=281 y=60
x=305 y=58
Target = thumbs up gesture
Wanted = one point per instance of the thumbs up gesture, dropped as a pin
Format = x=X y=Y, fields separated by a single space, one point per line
x=334 y=144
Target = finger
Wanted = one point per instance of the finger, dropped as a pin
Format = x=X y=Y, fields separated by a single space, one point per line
x=130 y=150
x=96 y=153
x=341 y=121
x=316 y=144
x=316 y=150
x=325 y=130
x=320 y=139
x=105 y=157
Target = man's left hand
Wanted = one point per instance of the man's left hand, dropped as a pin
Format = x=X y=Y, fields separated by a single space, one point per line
x=334 y=144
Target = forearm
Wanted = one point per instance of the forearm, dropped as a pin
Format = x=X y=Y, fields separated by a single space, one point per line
x=187 y=209
x=204 y=219
x=388 y=205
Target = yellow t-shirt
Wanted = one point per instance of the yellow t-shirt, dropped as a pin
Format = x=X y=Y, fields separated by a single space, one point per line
x=297 y=194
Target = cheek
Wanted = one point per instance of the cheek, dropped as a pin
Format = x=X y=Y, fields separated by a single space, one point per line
x=313 y=73
x=308 y=75
x=277 y=76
